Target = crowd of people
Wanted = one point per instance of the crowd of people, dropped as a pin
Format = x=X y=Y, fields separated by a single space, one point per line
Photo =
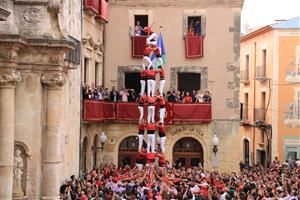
x=129 y=95
x=279 y=181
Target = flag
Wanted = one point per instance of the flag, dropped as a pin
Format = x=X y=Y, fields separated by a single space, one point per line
x=160 y=45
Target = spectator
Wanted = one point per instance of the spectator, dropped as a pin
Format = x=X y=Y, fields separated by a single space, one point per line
x=178 y=97
x=124 y=95
x=138 y=29
x=199 y=96
x=194 y=96
x=131 y=96
x=114 y=95
x=187 y=98
x=191 y=29
x=197 y=28
x=207 y=97
x=171 y=96
x=106 y=95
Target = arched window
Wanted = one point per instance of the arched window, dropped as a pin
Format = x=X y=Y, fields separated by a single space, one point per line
x=128 y=150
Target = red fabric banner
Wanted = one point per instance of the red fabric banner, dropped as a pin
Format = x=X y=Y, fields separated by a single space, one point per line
x=127 y=111
x=92 y=110
x=109 y=110
x=191 y=112
x=194 y=46
x=104 y=10
x=138 y=46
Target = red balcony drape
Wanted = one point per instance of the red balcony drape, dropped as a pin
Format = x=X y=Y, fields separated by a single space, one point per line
x=103 y=10
x=92 y=110
x=191 y=112
x=109 y=110
x=92 y=4
x=194 y=46
x=138 y=46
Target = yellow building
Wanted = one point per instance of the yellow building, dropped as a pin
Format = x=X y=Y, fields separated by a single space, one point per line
x=270 y=93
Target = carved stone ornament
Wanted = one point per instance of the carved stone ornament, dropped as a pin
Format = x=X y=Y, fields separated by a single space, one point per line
x=32 y=15
x=53 y=80
x=10 y=77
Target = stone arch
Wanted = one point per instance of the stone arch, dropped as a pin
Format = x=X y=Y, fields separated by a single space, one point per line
x=95 y=150
x=246 y=150
x=25 y=155
x=84 y=153
x=172 y=139
x=117 y=144
x=127 y=151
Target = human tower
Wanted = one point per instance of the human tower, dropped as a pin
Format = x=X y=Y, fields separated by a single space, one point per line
x=149 y=98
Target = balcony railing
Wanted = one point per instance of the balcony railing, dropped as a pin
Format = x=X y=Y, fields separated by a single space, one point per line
x=259 y=114
x=175 y=112
x=193 y=46
x=261 y=72
x=138 y=46
x=244 y=76
x=292 y=117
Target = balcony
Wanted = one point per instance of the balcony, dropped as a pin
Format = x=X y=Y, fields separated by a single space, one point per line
x=261 y=73
x=193 y=46
x=293 y=73
x=244 y=77
x=102 y=12
x=292 y=117
x=99 y=111
x=138 y=46
x=245 y=117
x=91 y=6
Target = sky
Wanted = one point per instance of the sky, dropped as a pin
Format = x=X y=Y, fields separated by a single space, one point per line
x=258 y=13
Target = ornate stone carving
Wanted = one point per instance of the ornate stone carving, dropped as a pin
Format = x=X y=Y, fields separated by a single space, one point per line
x=53 y=80
x=18 y=172
x=32 y=15
x=10 y=77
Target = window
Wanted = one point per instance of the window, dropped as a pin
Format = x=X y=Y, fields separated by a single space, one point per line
x=246 y=67
x=263 y=101
x=189 y=81
x=141 y=20
x=194 y=25
x=97 y=74
x=132 y=81
x=264 y=62
x=291 y=153
x=85 y=70
x=246 y=99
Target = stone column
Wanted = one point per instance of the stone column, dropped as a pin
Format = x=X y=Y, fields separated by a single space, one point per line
x=7 y=116
x=51 y=156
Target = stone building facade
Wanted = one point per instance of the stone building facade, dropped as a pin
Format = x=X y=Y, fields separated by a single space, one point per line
x=39 y=96
x=219 y=69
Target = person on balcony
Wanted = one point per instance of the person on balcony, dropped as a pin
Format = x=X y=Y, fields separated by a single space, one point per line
x=138 y=29
x=162 y=136
x=187 y=98
x=124 y=95
x=151 y=73
x=114 y=95
x=141 y=101
x=151 y=137
x=197 y=28
x=151 y=100
x=162 y=80
x=162 y=108
x=141 y=130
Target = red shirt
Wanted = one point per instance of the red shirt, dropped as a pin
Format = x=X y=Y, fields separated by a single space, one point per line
x=151 y=127
x=161 y=159
x=141 y=155
x=150 y=157
x=144 y=73
x=147 y=51
x=151 y=73
x=161 y=101
x=142 y=100
x=162 y=128
x=157 y=51
x=161 y=73
x=151 y=100
x=187 y=99
x=141 y=127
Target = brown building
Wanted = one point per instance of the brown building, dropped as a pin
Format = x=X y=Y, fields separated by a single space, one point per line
x=212 y=64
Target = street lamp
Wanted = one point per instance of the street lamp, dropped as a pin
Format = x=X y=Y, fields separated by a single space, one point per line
x=102 y=140
x=215 y=142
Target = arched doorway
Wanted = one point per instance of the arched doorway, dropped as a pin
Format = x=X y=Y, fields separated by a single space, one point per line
x=246 y=150
x=128 y=150
x=95 y=151
x=84 y=153
x=187 y=152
